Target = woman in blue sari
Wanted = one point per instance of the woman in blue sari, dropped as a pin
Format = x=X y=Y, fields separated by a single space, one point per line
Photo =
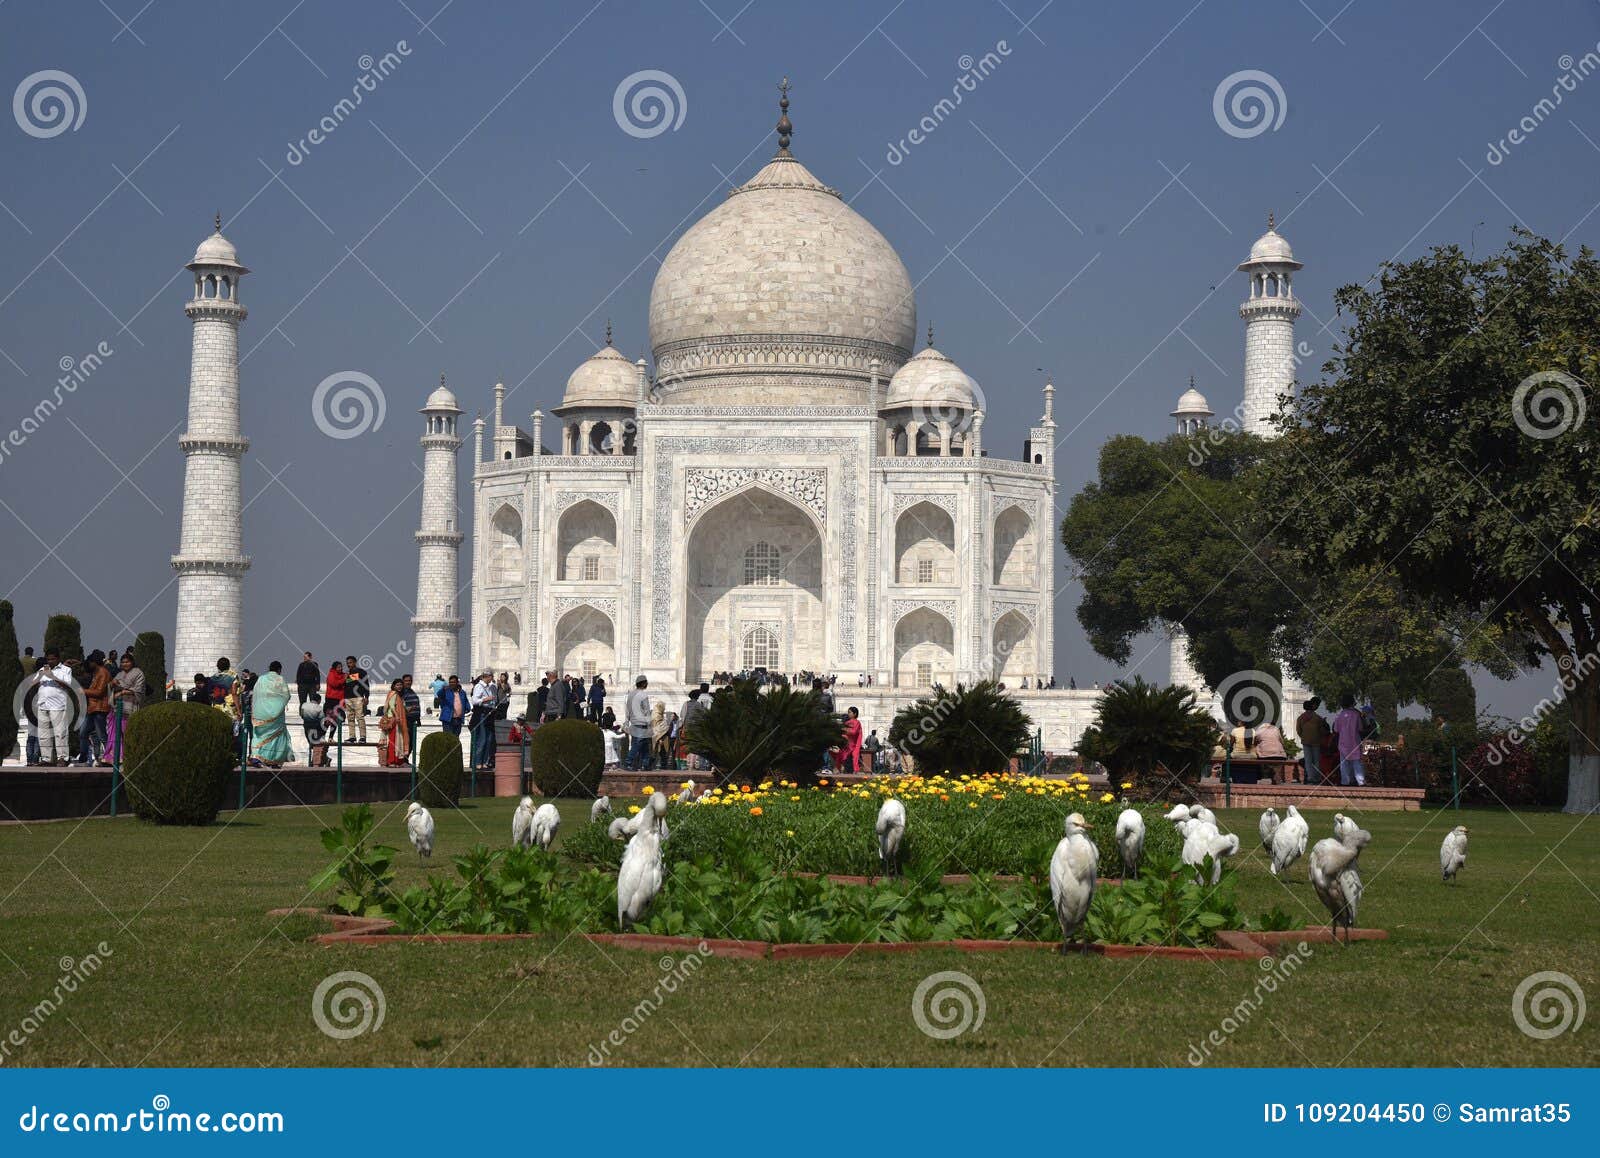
x=269 y=733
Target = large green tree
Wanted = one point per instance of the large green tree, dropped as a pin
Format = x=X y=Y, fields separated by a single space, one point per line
x=1452 y=430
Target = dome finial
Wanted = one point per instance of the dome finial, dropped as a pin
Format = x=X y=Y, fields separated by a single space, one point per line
x=930 y=335
x=1271 y=223
x=441 y=377
x=784 y=126
x=219 y=222
x=608 y=331
x=1191 y=379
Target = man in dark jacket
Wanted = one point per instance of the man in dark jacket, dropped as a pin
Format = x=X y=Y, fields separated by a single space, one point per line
x=597 y=698
x=307 y=677
x=555 y=703
x=413 y=706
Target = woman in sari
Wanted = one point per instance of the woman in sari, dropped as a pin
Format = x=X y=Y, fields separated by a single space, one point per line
x=128 y=691
x=850 y=748
x=660 y=736
x=396 y=747
x=269 y=740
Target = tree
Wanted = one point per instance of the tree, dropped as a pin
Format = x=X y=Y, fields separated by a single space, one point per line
x=749 y=733
x=1151 y=734
x=10 y=678
x=64 y=636
x=1451 y=698
x=973 y=729
x=1455 y=409
x=150 y=656
x=1176 y=532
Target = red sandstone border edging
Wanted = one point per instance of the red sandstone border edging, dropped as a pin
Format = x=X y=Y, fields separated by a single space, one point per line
x=946 y=879
x=1232 y=945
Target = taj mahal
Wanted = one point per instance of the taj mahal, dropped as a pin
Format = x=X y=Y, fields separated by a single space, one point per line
x=793 y=485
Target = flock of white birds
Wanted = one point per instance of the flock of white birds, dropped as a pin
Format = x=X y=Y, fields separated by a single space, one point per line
x=1334 y=862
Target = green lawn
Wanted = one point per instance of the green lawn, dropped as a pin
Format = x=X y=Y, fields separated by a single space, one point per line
x=199 y=975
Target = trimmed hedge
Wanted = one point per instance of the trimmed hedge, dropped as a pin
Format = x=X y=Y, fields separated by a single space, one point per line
x=177 y=761
x=439 y=770
x=568 y=758
x=150 y=655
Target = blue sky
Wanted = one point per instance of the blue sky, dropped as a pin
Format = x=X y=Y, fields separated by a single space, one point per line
x=482 y=214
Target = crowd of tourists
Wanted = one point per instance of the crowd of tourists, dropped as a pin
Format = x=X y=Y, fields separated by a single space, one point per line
x=1328 y=747
x=100 y=690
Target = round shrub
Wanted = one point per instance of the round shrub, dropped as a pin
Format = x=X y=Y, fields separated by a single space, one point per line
x=439 y=770
x=177 y=762
x=568 y=758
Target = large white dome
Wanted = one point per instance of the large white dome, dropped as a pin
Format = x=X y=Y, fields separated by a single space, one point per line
x=783 y=287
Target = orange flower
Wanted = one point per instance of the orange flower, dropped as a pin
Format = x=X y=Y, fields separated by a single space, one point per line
x=756 y=811
x=943 y=796
x=824 y=780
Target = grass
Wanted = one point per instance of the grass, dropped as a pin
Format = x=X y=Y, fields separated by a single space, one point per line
x=199 y=975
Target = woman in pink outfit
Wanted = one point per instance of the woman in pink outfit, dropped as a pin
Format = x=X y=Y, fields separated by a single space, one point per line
x=850 y=749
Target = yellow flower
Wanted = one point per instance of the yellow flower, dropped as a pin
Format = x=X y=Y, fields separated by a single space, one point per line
x=648 y=790
x=1127 y=784
x=972 y=804
x=794 y=798
x=1107 y=798
x=788 y=832
x=633 y=809
x=685 y=784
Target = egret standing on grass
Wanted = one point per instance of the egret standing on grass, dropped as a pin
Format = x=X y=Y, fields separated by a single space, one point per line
x=687 y=794
x=1072 y=873
x=419 y=826
x=1130 y=841
x=1336 y=877
x=891 y=830
x=600 y=807
x=1453 y=852
x=1289 y=842
x=1203 y=814
x=1343 y=827
x=639 y=878
x=545 y=822
x=522 y=824
x=619 y=828
x=1202 y=840
x=1267 y=826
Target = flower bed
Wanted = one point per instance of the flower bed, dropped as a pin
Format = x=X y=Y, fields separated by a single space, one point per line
x=1001 y=824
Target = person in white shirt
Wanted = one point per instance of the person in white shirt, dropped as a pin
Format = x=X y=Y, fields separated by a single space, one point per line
x=638 y=717
x=53 y=705
x=483 y=699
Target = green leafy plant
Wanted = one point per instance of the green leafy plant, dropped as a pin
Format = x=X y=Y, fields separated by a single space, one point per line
x=439 y=770
x=1150 y=734
x=749 y=734
x=364 y=873
x=568 y=758
x=1277 y=921
x=177 y=762
x=1165 y=906
x=973 y=729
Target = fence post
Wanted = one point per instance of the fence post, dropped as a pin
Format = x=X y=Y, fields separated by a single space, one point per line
x=1227 y=780
x=338 y=775
x=413 y=793
x=116 y=763
x=244 y=757
x=1455 y=783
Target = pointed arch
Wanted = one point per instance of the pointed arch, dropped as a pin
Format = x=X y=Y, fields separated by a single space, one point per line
x=925 y=546
x=505 y=546
x=586 y=544
x=505 y=640
x=1015 y=552
x=924 y=649
x=586 y=643
x=1014 y=651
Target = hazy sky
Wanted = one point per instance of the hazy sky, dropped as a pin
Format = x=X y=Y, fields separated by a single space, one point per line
x=482 y=213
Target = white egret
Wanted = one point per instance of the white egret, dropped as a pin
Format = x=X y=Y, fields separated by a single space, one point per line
x=1289 y=842
x=1267 y=826
x=639 y=878
x=1178 y=815
x=601 y=807
x=618 y=828
x=1072 y=874
x=891 y=828
x=1336 y=877
x=419 y=826
x=1453 y=852
x=1343 y=827
x=1130 y=841
x=522 y=824
x=1203 y=814
x=687 y=794
x=545 y=822
x=1203 y=840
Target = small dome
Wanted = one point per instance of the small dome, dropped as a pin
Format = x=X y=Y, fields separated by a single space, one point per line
x=931 y=381
x=216 y=250
x=605 y=379
x=1192 y=402
x=442 y=399
x=1271 y=246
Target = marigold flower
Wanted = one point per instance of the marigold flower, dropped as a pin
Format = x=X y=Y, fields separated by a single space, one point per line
x=788 y=832
x=1107 y=798
x=633 y=809
x=648 y=790
x=756 y=811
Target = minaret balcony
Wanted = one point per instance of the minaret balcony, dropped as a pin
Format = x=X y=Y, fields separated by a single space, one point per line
x=218 y=308
x=439 y=538
x=211 y=564
x=216 y=443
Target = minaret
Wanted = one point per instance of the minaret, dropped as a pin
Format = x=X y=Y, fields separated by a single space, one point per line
x=210 y=561
x=1269 y=314
x=438 y=619
x=1193 y=414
